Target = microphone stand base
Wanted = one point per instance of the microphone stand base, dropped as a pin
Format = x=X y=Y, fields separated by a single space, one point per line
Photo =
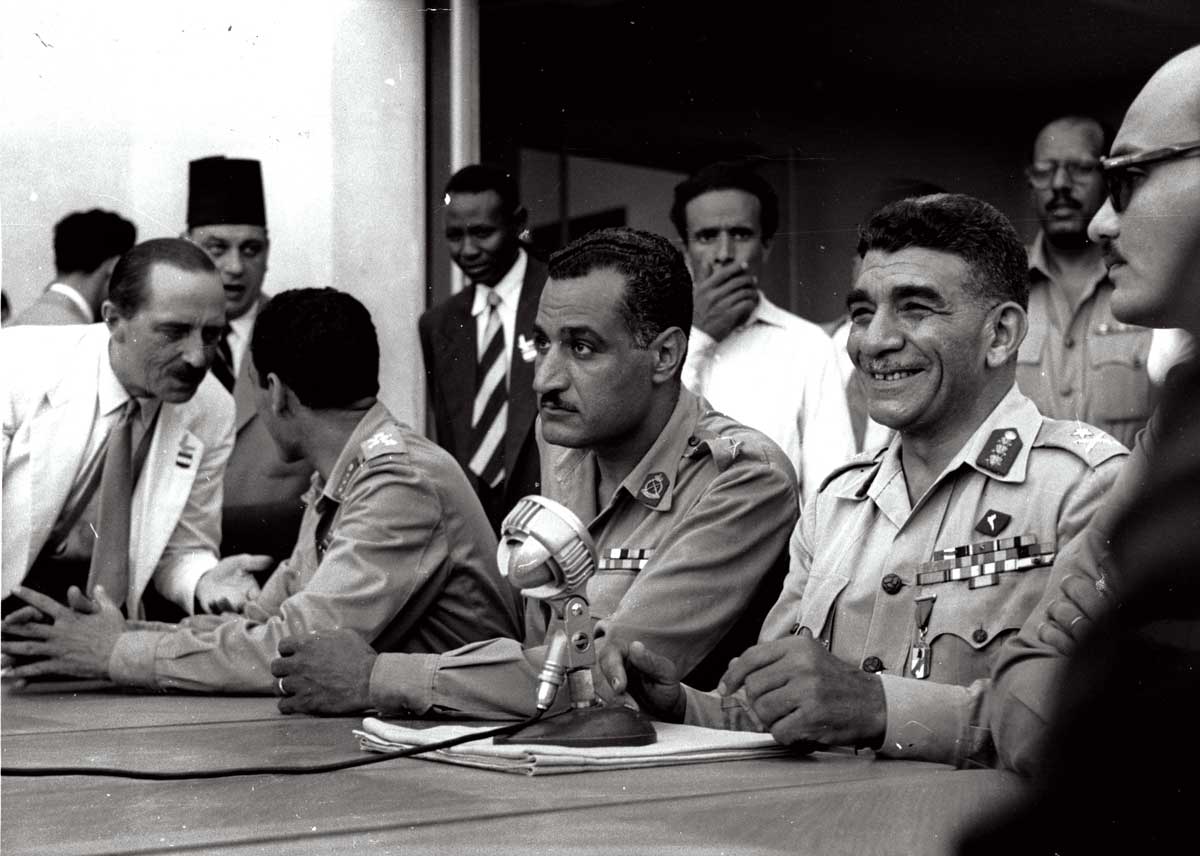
x=589 y=726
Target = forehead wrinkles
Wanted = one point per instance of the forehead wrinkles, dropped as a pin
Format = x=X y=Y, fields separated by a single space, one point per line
x=1068 y=138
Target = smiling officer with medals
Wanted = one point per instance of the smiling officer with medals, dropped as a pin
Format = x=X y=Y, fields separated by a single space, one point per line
x=914 y=561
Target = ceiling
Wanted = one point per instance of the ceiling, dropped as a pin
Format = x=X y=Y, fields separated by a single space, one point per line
x=678 y=84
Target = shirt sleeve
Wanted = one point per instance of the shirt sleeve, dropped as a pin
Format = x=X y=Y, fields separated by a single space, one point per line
x=949 y=724
x=703 y=574
x=192 y=550
x=826 y=436
x=386 y=544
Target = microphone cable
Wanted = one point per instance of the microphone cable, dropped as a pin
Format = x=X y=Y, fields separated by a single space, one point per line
x=281 y=770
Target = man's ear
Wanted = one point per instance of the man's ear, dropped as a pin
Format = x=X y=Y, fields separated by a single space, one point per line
x=282 y=398
x=520 y=218
x=1007 y=325
x=767 y=243
x=111 y=317
x=669 y=350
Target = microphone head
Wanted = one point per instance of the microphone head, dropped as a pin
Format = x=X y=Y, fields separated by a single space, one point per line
x=545 y=550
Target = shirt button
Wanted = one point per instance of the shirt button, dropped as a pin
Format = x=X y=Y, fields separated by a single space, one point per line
x=892 y=583
x=1066 y=390
x=980 y=635
x=1069 y=342
x=872 y=665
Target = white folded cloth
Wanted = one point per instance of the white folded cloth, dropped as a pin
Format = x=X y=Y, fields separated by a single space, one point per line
x=677 y=744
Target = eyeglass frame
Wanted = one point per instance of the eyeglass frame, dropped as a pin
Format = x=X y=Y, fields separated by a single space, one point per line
x=1093 y=168
x=1114 y=170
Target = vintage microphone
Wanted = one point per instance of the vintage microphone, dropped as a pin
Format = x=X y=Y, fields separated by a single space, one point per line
x=547 y=553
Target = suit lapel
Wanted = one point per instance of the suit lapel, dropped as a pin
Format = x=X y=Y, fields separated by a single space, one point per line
x=522 y=405
x=457 y=351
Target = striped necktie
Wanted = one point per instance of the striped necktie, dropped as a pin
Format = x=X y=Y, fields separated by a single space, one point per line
x=110 y=555
x=222 y=366
x=489 y=417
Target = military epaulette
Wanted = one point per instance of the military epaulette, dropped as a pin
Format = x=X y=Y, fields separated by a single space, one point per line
x=724 y=449
x=859 y=461
x=382 y=445
x=1085 y=441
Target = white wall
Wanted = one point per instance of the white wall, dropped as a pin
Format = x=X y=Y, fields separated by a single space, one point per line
x=104 y=104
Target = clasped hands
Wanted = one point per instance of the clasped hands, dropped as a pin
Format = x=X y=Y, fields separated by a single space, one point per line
x=77 y=638
x=802 y=694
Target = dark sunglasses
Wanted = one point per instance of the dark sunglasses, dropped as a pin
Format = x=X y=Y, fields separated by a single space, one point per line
x=1121 y=175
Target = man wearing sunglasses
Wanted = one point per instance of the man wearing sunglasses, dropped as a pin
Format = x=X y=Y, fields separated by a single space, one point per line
x=1078 y=361
x=1149 y=232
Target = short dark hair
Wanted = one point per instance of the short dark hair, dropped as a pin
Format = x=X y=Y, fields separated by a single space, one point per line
x=658 y=288
x=726 y=176
x=482 y=177
x=127 y=287
x=84 y=240
x=321 y=342
x=1106 y=129
x=962 y=225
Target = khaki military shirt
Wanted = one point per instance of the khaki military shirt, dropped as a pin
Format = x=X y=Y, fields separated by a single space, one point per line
x=394 y=546
x=683 y=544
x=876 y=577
x=1080 y=362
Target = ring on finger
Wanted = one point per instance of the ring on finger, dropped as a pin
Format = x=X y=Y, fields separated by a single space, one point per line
x=279 y=683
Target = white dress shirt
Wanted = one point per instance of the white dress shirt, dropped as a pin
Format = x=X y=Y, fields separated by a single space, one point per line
x=779 y=374
x=240 y=330
x=76 y=298
x=508 y=289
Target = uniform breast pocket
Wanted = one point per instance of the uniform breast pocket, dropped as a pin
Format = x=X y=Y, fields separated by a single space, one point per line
x=816 y=607
x=606 y=588
x=967 y=626
x=1119 y=386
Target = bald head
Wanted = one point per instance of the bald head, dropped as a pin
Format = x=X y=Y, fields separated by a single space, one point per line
x=1153 y=246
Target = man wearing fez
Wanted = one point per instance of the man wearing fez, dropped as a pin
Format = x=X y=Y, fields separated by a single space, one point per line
x=227 y=218
x=697 y=507
x=913 y=563
x=115 y=440
x=394 y=544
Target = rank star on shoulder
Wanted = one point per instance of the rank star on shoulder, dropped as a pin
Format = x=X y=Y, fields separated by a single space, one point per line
x=1082 y=434
x=381 y=438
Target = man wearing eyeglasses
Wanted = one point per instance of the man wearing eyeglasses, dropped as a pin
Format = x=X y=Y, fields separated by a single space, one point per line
x=1149 y=233
x=1078 y=361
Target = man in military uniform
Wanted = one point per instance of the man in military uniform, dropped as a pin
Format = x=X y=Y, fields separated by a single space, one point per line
x=1077 y=361
x=394 y=545
x=913 y=563
x=690 y=511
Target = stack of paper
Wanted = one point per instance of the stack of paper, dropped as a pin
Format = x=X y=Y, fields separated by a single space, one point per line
x=677 y=744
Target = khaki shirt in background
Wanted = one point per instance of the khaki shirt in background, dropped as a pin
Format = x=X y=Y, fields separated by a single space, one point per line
x=395 y=546
x=860 y=546
x=703 y=519
x=1080 y=362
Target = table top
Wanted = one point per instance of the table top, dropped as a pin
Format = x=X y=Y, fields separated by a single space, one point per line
x=829 y=802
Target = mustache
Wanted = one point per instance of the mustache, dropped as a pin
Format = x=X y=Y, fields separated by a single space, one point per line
x=1110 y=253
x=551 y=399
x=1061 y=197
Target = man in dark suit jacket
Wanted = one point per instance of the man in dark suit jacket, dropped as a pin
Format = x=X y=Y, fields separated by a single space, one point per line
x=482 y=398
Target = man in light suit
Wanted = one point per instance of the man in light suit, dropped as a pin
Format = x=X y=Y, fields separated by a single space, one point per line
x=161 y=323
x=227 y=218
x=87 y=245
x=485 y=419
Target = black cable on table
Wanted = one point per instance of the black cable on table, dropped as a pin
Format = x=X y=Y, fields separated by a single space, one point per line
x=287 y=770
